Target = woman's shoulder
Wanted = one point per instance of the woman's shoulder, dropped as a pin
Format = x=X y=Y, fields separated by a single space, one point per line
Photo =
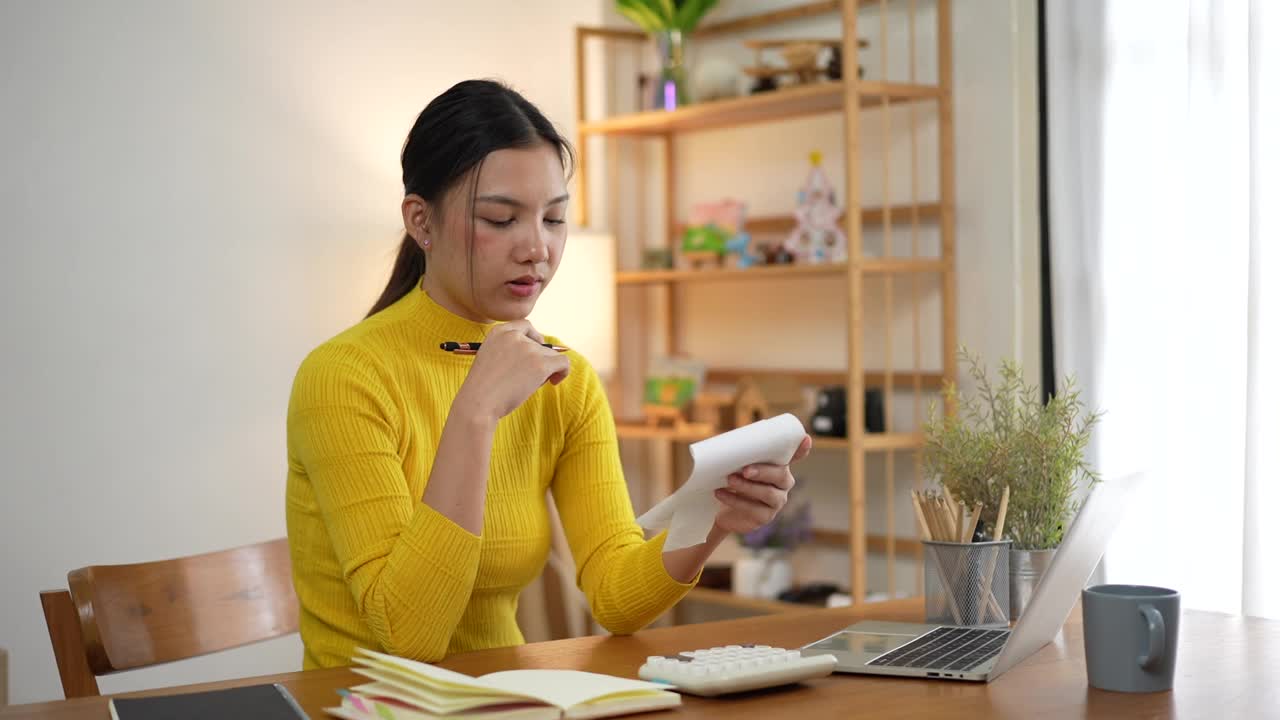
x=583 y=387
x=354 y=357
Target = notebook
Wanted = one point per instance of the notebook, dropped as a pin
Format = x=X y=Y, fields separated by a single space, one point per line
x=253 y=702
x=403 y=689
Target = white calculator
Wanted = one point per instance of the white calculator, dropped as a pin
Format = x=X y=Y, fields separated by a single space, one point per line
x=734 y=668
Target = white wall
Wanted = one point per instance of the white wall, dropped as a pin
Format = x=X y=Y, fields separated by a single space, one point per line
x=192 y=196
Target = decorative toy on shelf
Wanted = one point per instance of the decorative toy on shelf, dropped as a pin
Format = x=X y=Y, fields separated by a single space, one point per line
x=776 y=254
x=761 y=397
x=715 y=409
x=715 y=230
x=671 y=386
x=817 y=236
x=737 y=252
x=702 y=245
x=657 y=258
x=800 y=58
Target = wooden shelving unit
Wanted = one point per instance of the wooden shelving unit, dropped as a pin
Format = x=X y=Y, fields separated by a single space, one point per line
x=849 y=98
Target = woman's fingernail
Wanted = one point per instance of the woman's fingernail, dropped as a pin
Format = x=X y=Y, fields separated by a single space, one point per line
x=750 y=472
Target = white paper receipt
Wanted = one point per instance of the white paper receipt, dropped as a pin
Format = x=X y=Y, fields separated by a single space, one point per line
x=690 y=511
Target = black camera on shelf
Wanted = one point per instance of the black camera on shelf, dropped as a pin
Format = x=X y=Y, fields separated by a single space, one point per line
x=830 y=418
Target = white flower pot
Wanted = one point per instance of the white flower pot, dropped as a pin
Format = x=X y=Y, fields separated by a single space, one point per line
x=762 y=573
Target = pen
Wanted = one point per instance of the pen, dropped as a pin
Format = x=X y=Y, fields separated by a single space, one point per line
x=473 y=348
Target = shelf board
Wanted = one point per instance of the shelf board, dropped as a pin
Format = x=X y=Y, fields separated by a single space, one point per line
x=871 y=216
x=830 y=443
x=878 y=266
x=726 y=598
x=873 y=442
x=636 y=430
x=892 y=441
x=782 y=104
x=902 y=380
x=878 y=544
x=644 y=277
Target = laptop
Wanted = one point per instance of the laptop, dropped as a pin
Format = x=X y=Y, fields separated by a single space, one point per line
x=982 y=654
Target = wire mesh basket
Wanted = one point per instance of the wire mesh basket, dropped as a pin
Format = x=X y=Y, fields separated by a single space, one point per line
x=967 y=583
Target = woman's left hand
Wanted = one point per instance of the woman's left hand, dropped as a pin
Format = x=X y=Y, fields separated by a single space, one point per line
x=756 y=493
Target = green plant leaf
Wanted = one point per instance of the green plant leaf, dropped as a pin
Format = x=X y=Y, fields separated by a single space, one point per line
x=666 y=9
x=644 y=13
x=690 y=13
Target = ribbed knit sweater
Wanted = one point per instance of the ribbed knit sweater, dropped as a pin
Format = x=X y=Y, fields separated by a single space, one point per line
x=376 y=567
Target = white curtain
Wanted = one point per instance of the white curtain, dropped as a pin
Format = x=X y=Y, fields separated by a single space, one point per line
x=1164 y=174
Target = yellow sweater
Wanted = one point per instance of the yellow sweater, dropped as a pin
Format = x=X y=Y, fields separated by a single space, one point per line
x=375 y=567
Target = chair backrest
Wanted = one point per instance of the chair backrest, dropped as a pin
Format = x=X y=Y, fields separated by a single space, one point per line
x=552 y=607
x=120 y=617
x=4 y=678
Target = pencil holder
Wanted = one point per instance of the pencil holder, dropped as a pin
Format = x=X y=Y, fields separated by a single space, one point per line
x=967 y=583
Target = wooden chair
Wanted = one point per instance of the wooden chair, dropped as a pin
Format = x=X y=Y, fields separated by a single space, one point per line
x=121 y=617
x=552 y=607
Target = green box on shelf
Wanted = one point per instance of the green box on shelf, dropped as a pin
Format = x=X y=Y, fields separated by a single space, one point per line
x=669 y=391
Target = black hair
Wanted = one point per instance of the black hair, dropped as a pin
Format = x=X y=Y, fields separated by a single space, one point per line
x=447 y=144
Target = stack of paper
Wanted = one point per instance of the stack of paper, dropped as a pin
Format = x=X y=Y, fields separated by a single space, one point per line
x=690 y=511
x=408 y=690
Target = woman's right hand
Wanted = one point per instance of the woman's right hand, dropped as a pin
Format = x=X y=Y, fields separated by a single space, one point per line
x=509 y=367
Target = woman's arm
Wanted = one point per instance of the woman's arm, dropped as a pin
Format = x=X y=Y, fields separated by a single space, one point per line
x=625 y=578
x=409 y=567
x=460 y=474
x=510 y=366
x=684 y=564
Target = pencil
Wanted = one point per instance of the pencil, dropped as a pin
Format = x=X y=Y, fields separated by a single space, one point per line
x=472 y=348
x=1004 y=507
x=973 y=523
x=948 y=520
x=957 y=513
x=924 y=523
x=997 y=536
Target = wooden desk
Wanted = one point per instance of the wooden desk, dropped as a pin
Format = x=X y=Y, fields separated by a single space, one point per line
x=1227 y=668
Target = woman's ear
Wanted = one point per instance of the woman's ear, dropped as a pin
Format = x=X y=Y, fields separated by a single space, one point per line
x=417 y=216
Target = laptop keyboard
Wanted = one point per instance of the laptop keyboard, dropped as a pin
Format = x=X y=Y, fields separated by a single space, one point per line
x=947 y=648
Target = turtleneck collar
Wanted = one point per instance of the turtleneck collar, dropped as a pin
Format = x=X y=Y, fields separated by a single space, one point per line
x=440 y=323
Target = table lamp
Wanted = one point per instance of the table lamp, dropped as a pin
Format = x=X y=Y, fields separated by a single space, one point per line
x=579 y=306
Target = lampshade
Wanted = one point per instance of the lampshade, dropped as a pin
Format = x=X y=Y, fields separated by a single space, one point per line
x=579 y=306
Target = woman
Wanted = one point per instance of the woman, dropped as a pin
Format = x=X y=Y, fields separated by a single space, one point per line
x=417 y=477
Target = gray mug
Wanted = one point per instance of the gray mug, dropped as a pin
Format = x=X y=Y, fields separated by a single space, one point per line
x=1131 y=637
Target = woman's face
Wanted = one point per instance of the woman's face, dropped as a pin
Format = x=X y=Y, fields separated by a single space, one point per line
x=519 y=216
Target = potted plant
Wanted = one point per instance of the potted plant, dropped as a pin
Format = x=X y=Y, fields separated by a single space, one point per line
x=1004 y=436
x=669 y=22
x=764 y=569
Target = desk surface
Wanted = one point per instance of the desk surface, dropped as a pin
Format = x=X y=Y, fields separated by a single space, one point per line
x=1227 y=668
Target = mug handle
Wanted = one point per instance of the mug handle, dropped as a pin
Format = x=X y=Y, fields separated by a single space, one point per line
x=1155 y=637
